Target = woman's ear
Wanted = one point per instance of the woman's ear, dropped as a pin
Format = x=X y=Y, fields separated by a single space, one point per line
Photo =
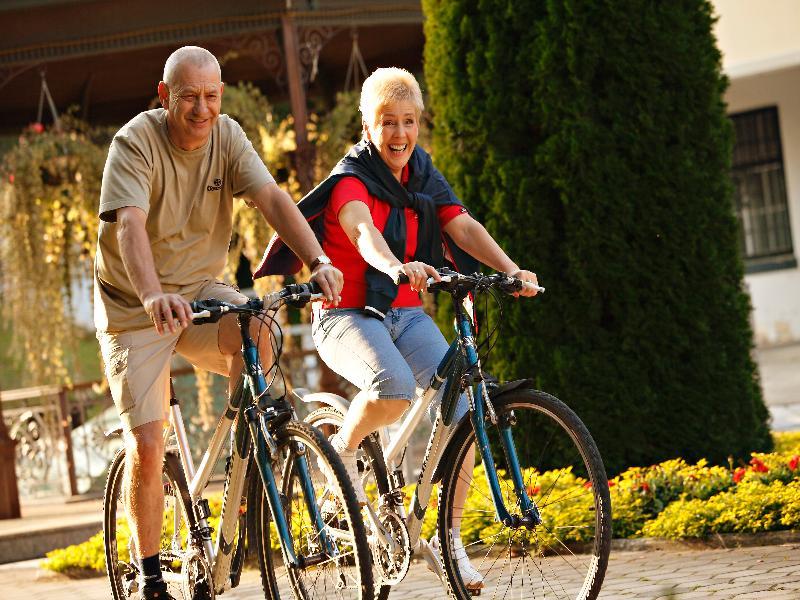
x=365 y=131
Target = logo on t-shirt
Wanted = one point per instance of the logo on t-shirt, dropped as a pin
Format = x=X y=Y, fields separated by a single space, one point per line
x=217 y=186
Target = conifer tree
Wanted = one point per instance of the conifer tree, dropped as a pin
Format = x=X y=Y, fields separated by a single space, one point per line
x=591 y=138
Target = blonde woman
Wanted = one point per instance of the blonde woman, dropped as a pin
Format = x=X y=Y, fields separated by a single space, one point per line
x=386 y=211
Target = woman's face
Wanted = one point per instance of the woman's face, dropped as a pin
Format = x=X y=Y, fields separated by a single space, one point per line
x=394 y=134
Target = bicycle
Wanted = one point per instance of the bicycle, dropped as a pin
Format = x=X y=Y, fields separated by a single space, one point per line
x=546 y=486
x=279 y=473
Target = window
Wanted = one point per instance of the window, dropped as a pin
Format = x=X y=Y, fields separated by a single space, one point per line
x=760 y=190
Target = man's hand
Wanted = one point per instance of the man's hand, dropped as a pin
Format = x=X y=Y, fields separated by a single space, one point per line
x=528 y=277
x=169 y=310
x=331 y=281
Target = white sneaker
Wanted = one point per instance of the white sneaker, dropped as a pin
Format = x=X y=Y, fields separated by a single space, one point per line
x=471 y=577
x=351 y=466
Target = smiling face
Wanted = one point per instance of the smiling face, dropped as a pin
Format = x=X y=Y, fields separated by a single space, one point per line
x=192 y=103
x=394 y=133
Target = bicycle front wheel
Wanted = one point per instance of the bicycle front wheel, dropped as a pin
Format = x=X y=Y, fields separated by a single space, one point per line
x=122 y=560
x=563 y=557
x=334 y=560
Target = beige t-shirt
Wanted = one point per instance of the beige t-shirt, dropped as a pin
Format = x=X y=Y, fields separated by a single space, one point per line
x=188 y=198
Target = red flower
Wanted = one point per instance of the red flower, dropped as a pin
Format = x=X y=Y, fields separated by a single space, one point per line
x=758 y=465
x=644 y=487
x=10 y=178
x=795 y=460
x=37 y=127
x=611 y=483
x=587 y=485
x=738 y=474
x=532 y=491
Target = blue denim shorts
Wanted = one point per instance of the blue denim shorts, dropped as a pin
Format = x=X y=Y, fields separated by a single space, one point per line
x=390 y=358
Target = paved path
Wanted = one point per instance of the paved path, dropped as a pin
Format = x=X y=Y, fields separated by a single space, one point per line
x=771 y=572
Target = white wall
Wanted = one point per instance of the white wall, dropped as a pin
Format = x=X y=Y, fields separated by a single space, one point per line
x=756 y=36
x=776 y=294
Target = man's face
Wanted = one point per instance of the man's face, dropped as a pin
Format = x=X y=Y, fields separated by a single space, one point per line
x=192 y=104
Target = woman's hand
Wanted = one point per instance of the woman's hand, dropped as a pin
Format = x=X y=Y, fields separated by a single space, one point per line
x=527 y=277
x=417 y=273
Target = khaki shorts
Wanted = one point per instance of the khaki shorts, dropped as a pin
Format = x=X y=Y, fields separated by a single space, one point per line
x=137 y=362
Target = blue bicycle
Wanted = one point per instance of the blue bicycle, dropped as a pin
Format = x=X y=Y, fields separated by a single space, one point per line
x=282 y=480
x=536 y=521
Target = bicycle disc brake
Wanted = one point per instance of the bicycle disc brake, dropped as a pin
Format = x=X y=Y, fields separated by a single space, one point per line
x=393 y=566
x=196 y=575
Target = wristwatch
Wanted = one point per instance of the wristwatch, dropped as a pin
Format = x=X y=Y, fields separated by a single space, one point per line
x=320 y=260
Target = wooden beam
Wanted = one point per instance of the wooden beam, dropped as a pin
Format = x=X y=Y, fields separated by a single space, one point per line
x=304 y=155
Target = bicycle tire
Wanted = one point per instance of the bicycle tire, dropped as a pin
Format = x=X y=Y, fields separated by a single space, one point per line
x=374 y=463
x=566 y=493
x=122 y=572
x=357 y=577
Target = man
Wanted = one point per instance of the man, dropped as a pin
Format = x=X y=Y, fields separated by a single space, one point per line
x=165 y=205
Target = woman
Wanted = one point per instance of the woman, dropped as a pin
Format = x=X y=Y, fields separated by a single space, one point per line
x=386 y=211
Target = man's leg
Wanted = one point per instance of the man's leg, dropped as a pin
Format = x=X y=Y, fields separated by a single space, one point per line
x=144 y=457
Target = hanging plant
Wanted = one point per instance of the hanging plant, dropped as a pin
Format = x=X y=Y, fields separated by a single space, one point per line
x=48 y=232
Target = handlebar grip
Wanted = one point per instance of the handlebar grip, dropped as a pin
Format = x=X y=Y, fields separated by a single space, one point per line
x=531 y=286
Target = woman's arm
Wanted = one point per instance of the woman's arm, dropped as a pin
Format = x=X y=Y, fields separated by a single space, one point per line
x=473 y=238
x=356 y=221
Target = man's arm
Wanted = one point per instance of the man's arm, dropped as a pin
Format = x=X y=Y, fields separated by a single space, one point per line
x=137 y=257
x=282 y=214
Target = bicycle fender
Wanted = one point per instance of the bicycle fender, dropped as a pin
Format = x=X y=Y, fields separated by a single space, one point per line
x=495 y=393
x=326 y=398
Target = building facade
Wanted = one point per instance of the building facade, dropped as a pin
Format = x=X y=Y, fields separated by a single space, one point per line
x=760 y=43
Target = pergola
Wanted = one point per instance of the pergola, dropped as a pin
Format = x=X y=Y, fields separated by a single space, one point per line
x=106 y=56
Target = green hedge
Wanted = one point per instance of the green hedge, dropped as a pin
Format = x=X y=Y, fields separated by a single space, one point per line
x=591 y=138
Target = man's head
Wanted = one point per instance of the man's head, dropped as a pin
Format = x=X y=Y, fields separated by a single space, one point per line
x=191 y=93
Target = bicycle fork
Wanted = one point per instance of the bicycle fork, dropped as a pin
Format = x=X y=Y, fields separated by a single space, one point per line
x=530 y=513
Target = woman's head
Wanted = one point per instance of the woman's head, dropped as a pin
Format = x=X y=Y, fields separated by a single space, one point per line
x=391 y=104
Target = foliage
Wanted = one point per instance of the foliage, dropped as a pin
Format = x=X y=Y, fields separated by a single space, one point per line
x=596 y=149
x=48 y=230
x=750 y=507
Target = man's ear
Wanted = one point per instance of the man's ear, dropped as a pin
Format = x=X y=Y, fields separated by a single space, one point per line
x=163 y=94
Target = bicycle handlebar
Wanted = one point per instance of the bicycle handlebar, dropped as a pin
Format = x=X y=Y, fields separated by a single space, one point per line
x=452 y=281
x=211 y=310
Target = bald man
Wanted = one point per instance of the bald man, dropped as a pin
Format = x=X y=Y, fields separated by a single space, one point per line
x=166 y=218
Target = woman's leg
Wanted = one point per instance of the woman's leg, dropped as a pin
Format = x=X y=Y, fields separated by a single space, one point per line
x=423 y=346
x=361 y=350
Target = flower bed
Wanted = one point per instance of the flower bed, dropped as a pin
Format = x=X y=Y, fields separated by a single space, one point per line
x=672 y=499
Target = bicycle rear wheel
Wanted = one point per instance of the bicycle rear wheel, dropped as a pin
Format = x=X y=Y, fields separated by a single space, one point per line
x=338 y=568
x=564 y=557
x=120 y=554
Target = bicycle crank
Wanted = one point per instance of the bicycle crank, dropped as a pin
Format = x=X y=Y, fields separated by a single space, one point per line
x=392 y=564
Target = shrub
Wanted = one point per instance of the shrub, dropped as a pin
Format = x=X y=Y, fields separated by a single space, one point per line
x=596 y=149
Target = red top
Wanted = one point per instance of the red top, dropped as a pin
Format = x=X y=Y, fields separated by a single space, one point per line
x=345 y=256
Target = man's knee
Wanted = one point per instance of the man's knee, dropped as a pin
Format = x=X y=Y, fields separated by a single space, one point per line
x=145 y=446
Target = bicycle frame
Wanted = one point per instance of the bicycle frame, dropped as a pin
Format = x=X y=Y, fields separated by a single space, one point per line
x=478 y=401
x=220 y=555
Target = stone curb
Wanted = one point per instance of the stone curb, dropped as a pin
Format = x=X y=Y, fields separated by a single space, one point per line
x=715 y=541
x=35 y=544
